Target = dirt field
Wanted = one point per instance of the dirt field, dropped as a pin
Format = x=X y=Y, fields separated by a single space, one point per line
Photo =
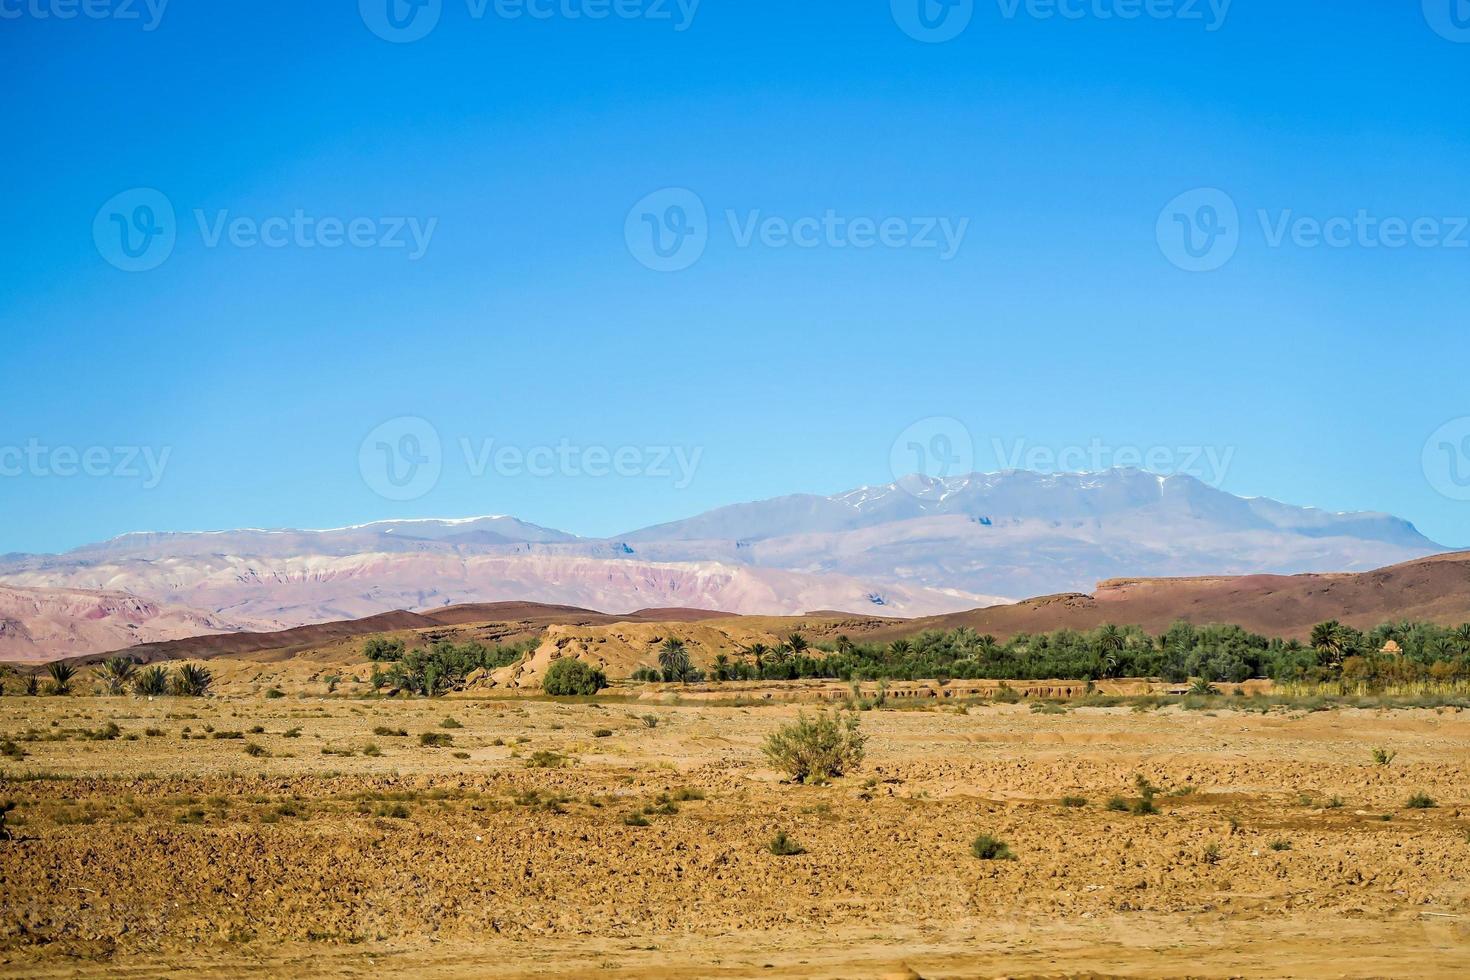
x=150 y=852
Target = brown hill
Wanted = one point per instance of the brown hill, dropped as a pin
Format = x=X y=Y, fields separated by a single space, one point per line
x=1435 y=589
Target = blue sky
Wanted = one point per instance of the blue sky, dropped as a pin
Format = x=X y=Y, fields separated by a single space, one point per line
x=261 y=380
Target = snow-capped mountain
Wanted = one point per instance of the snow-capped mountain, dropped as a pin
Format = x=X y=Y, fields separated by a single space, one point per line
x=916 y=547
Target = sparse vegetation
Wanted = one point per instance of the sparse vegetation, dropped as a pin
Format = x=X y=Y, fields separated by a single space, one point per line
x=436 y=740
x=1420 y=801
x=1280 y=844
x=988 y=848
x=1074 y=802
x=190 y=681
x=151 y=682
x=783 y=846
x=1382 y=756
x=823 y=746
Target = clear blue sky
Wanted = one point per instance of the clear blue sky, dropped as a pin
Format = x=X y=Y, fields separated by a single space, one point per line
x=529 y=320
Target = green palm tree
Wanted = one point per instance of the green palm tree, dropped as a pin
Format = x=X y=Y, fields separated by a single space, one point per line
x=757 y=654
x=115 y=674
x=1110 y=639
x=1330 y=642
x=191 y=681
x=722 y=667
x=674 y=659
x=151 y=682
x=61 y=676
x=797 y=643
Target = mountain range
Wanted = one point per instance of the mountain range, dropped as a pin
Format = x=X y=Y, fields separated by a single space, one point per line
x=917 y=547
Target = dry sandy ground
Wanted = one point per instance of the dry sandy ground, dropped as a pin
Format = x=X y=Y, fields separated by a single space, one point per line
x=163 y=854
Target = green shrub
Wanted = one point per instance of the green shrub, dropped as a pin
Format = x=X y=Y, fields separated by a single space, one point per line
x=635 y=820
x=1420 y=801
x=1383 y=757
x=1074 y=802
x=546 y=759
x=1280 y=844
x=259 y=751
x=815 y=748
x=569 y=677
x=783 y=846
x=988 y=848
x=385 y=732
x=602 y=733
x=436 y=740
x=450 y=723
x=650 y=721
x=115 y=673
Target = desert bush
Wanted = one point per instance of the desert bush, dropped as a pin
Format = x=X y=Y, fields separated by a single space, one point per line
x=649 y=721
x=1280 y=844
x=450 y=723
x=1144 y=805
x=258 y=751
x=228 y=735
x=61 y=677
x=1074 y=802
x=647 y=675
x=12 y=751
x=569 y=677
x=379 y=649
x=988 y=848
x=1382 y=756
x=1202 y=687
x=190 y=681
x=783 y=846
x=1211 y=854
x=31 y=687
x=115 y=673
x=385 y=732
x=291 y=733
x=372 y=751
x=393 y=811
x=1117 y=804
x=436 y=740
x=635 y=820
x=1334 y=804
x=546 y=759
x=1420 y=801
x=820 y=747
x=685 y=793
x=602 y=733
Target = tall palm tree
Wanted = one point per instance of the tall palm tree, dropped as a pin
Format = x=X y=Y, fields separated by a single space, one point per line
x=674 y=659
x=757 y=654
x=1329 y=641
x=1462 y=637
x=1110 y=639
x=797 y=643
x=722 y=667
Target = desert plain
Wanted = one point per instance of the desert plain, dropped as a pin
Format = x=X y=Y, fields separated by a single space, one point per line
x=625 y=837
